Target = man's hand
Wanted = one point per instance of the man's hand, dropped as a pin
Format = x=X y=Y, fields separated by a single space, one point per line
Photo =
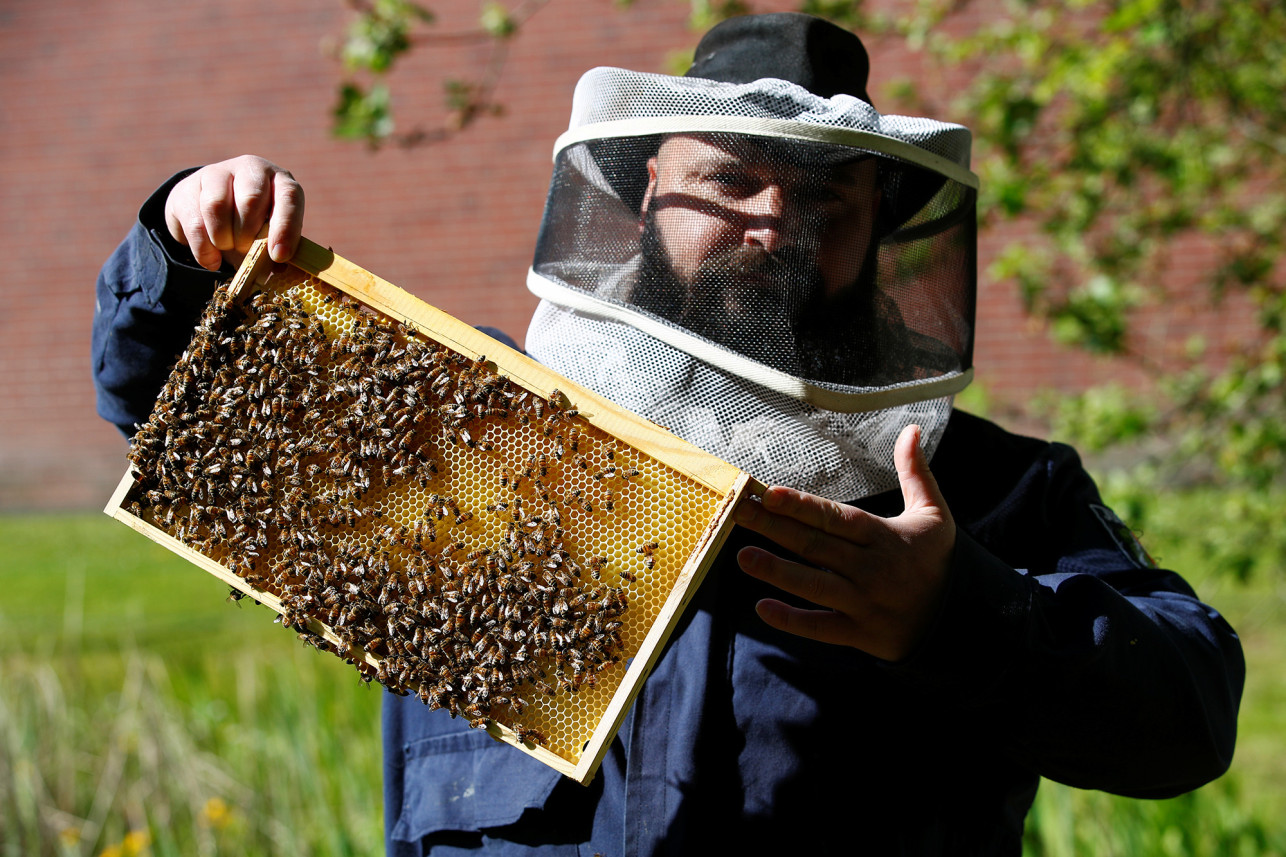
x=883 y=577
x=218 y=211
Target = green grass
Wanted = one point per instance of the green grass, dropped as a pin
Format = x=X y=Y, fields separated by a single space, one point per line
x=141 y=714
x=85 y=583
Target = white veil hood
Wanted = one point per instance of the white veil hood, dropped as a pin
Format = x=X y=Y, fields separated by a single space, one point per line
x=817 y=425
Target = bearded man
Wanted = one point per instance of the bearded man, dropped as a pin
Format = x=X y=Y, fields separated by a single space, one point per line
x=885 y=658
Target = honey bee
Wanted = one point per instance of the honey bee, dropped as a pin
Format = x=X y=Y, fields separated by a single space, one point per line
x=529 y=736
x=648 y=552
x=596 y=565
x=542 y=491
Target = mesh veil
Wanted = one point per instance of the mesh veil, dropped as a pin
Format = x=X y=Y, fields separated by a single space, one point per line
x=781 y=279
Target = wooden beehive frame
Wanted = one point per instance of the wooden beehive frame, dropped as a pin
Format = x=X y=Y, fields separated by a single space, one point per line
x=723 y=479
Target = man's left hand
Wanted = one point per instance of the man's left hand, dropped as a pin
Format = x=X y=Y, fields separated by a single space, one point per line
x=881 y=579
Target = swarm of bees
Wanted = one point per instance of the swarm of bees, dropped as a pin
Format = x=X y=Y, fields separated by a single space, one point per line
x=271 y=447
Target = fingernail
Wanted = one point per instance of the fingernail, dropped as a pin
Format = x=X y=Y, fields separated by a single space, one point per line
x=773 y=497
x=746 y=511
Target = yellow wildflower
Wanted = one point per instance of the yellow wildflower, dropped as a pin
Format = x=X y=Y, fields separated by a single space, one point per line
x=216 y=813
x=135 y=843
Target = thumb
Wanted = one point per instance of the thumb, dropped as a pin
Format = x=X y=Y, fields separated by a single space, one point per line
x=920 y=490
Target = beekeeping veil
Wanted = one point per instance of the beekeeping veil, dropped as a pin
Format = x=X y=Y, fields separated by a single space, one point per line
x=754 y=257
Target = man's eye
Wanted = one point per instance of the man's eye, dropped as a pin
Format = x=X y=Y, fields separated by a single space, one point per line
x=731 y=181
x=821 y=193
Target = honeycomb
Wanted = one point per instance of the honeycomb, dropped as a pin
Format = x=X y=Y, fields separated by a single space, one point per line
x=450 y=533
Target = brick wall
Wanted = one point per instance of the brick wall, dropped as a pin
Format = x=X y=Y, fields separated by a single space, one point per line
x=103 y=101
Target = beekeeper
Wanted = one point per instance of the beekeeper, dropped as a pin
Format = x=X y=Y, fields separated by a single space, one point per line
x=923 y=617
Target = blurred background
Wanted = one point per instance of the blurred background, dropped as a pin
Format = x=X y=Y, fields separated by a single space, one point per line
x=1131 y=302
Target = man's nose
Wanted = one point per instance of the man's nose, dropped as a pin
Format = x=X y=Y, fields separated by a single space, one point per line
x=769 y=218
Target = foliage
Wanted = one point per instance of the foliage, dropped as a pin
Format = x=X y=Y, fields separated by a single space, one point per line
x=1112 y=138
x=704 y=14
x=231 y=755
x=363 y=114
x=1065 y=822
x=143 y=714
x=1126 y=132
x=382 y=31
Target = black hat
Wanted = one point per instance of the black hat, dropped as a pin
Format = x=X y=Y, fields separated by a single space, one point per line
x=823 y=58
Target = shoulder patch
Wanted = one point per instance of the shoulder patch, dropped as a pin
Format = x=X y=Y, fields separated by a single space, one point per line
x=1124 y=538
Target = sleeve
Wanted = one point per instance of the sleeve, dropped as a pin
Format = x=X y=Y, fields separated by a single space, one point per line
x=1099 y=670
x=150 y=293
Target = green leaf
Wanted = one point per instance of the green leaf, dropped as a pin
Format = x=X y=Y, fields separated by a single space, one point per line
x=1093 y=316
x=381 y=33
x=496 y=21
x=706 y=13
x=362 y=115
x=1101 y=418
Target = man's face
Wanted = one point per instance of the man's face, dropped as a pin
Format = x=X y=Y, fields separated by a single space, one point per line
x=713 y=197
x=749 y=249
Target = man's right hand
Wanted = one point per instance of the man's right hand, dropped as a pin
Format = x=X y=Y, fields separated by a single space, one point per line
x=217 y=211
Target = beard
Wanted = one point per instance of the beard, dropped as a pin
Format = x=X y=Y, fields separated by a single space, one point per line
x=770 y=307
